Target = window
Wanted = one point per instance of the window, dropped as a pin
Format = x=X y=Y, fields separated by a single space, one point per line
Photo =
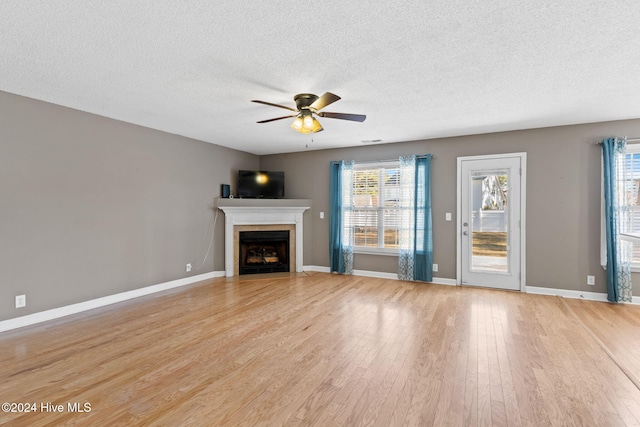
x=629 y=186
x=375 y=217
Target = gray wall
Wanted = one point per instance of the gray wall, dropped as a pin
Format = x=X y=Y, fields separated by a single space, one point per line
x=91 y=206
x=563 y=198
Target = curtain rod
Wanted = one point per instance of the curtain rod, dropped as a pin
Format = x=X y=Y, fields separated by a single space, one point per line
x=395 y=160
x=632 y=140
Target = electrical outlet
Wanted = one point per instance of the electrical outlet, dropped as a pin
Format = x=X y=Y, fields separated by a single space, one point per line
x=321 y=215
x=21 y=301
x=188 y=268
x=591 y=280
x=447 y=216
x=435 y=267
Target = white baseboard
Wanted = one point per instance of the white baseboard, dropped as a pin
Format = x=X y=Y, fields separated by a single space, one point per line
x=444 y=281
x=590 y=296
x=317 y=268
x=378 y=274
x=56 y=313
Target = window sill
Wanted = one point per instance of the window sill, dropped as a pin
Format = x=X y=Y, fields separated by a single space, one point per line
x=375 y=251
x=635 y=268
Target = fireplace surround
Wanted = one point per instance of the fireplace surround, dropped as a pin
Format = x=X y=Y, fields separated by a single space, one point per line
x=263 y=215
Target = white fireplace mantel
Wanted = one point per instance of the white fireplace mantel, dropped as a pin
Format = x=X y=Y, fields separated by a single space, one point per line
x=240 y=212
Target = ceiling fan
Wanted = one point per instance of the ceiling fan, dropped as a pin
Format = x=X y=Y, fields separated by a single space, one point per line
x=308 y=105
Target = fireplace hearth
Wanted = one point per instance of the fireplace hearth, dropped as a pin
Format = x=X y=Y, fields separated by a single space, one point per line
x=263 y=252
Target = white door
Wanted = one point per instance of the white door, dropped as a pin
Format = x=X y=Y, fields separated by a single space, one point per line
x=491 y=221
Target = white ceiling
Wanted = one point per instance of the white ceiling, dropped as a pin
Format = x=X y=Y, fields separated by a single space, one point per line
x=417 y=68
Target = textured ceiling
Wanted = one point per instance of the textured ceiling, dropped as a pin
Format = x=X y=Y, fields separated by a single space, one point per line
x=418 y=69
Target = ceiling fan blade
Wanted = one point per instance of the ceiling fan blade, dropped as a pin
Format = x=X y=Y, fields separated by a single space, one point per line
x=324 y=100
x=274 y=105
x=344 y=116
x=277 y=118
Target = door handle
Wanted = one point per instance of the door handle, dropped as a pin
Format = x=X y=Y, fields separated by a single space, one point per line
x=466 y=233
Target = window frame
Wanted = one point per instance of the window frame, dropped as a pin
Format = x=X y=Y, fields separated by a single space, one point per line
x=381 y=166
x=634 y=149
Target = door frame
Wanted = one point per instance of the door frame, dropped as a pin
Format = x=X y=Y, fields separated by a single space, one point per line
x=523 y=213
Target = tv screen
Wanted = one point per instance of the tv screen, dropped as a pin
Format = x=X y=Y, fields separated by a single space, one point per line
x=260 y=184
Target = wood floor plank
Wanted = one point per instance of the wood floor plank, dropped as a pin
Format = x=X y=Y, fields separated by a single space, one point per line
x=329 y=350
x=500 y=322
x=485 y=341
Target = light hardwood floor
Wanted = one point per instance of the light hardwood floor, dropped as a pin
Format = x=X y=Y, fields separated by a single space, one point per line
x=321 y=349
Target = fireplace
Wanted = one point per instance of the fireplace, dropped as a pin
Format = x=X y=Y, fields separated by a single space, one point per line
x=263 y=252
x=260 y=215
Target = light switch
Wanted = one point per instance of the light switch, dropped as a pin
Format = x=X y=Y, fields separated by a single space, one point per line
x=447 y=216
x=321 y=215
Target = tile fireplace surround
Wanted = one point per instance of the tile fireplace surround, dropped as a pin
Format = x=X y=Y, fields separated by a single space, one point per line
x=262 y=214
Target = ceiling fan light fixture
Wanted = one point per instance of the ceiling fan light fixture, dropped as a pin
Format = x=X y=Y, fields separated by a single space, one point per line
x=298 y=125
x=307 y=121
x=316 y=126
x=307 y=124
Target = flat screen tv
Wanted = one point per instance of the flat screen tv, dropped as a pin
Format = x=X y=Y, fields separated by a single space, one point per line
x=260 y=184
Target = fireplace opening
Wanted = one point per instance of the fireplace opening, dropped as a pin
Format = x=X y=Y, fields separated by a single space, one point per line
x=263 y=252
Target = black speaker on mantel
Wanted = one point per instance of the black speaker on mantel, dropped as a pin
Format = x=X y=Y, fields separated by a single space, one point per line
x=225 y=191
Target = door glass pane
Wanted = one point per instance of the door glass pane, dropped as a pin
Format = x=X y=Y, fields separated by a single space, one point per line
x=489 y=220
